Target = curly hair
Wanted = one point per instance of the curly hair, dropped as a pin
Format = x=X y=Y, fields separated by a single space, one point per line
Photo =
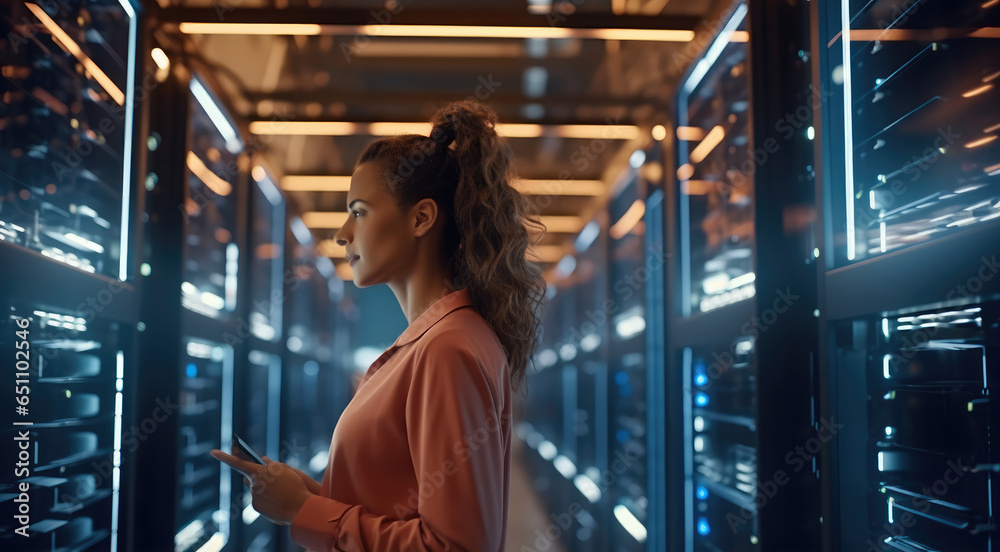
x=467 y=169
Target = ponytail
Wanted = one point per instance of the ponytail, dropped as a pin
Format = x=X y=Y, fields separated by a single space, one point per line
x=467 y=169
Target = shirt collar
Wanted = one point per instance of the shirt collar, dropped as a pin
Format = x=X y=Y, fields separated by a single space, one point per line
x=451 y=302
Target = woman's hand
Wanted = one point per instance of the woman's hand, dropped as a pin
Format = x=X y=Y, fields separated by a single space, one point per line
x=314 y=486
x=278 y=491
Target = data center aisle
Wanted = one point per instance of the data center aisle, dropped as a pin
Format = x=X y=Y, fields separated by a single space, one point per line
x=528 y=517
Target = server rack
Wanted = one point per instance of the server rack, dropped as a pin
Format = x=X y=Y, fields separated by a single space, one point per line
x=599 y=388
x=742 y=331
x=70 y=289
x=588 y=421
x=315 y=386
x=714 y=286
x=192 y=341
x=566 y=411
x=242 y=325
x=628 y=367
x=549 y=427
x=259 y=391
x=909 y=194
x=337 y=355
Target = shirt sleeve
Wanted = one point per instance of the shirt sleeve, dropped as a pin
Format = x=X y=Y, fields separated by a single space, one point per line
x=457 y=447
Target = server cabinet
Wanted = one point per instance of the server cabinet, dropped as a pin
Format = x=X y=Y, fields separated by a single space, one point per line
x=317 y=380
x=69 y=72
x=193 y=338
x=635 y=464
x=910 y=197
x=742 y=329
x=258 y=418
x=267 y=257
x=565 y=424
x=919 y=388
x=67 y=238
x=587 y=422
x=714 y=287
x=628 y=366
x=597 y=392
x=915 y=123
x=315 y=387
x=214 y=205
x=550 y=425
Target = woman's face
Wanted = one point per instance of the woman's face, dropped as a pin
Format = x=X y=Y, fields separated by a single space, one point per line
x=379 y=242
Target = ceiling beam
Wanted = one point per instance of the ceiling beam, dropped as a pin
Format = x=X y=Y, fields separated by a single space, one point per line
x=406 y=60
x=452 y=16
x=357 y=97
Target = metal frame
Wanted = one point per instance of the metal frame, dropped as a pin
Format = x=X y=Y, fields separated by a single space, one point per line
x=863 y=288
x=656 y=388
x=786 y=352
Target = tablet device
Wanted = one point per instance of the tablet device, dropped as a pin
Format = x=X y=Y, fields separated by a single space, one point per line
x=245 y=449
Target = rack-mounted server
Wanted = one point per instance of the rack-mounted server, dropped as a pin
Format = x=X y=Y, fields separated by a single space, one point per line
x=909 y=199
x=67 y=235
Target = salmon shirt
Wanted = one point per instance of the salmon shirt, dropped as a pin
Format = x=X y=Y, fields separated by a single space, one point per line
x=420 y=458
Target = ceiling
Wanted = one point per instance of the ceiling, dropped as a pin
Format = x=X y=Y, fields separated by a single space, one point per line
x=348 y=73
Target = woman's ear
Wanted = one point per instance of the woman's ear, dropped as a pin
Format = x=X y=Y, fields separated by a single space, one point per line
x=425 y=214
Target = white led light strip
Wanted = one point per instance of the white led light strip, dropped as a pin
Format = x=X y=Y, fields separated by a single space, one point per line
x=845 y=38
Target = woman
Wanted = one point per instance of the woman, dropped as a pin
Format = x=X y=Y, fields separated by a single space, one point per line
x=420 y=459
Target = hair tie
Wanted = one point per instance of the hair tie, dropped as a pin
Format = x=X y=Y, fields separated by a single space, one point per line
x=444 y=132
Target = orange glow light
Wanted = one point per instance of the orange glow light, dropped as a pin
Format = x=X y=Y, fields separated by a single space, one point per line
x=708 y=144
x=73 y=48
x=316 y=183
x=511 y=130
x=212 y=180
x=980 y=142
x=438 y=31
x=977 y=91
x=696 y=187
x=691 y=134
x=986 y=32
x=628 y=220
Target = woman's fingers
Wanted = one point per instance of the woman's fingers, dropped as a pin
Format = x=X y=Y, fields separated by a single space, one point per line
x=244 y=467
